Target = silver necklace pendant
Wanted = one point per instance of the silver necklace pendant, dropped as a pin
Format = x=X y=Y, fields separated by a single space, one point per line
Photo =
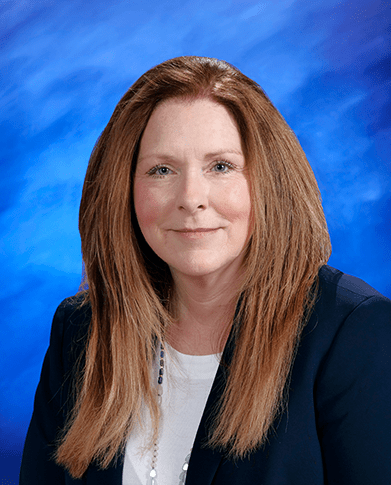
x=185 y=466
x=152 y=477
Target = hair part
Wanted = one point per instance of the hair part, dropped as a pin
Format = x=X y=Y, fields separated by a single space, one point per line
x=130 y=288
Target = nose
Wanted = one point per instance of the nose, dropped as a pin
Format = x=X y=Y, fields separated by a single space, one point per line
x=193 y=193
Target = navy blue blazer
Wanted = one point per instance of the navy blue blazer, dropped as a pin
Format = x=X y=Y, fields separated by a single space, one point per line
x=337 y=426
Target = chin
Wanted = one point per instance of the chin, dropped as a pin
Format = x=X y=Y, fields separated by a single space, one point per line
x=193 y=268
x=200 y=268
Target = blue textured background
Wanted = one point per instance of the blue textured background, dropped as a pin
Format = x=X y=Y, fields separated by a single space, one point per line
x=65 y=64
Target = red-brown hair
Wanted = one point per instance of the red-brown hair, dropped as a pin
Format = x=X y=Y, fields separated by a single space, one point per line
x=129 y=286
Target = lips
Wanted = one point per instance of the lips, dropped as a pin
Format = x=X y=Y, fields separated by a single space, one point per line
x=197 y=229
x=196 y=233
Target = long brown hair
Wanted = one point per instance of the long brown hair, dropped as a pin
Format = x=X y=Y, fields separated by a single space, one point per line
x=129 y=286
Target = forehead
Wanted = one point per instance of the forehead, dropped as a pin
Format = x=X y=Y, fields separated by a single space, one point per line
x=184 y=122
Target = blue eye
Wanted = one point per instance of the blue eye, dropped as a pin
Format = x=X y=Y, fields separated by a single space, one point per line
x=222 y=167
x=162 y=171
x=159 y=170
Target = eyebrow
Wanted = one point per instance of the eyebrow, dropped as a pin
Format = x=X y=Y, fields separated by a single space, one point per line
x=217 y=153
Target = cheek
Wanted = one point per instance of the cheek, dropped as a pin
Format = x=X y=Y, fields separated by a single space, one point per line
x=146 y=204
x=236 y=205
x=236 y=202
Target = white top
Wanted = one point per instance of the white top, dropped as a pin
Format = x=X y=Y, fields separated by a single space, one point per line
x=187 y=382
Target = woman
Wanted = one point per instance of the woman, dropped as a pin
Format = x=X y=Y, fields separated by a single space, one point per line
x=212 y=340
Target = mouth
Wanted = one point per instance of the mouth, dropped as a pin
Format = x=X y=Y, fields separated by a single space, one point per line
x=197 y=233
x=196 y=230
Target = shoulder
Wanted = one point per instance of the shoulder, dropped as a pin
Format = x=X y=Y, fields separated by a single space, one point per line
x=344 y=288
x=350 y=325
x=348 y=336
x=74 y=307
x=342 y=297
x=73 y=311
x=70 y=328
x=351 y=339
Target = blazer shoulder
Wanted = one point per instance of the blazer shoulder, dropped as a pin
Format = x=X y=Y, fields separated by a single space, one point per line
x=70 y=326
x=344 y=301
x=340 y=293
x=352 y=389
x=74 y=303
x=345 y=284
x=74 y=311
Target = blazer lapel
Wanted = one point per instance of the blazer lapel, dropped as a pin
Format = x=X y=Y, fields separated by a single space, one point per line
x=204 y=461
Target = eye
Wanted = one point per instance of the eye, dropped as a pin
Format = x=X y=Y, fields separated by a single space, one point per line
x=159 y=171
x=222 y=166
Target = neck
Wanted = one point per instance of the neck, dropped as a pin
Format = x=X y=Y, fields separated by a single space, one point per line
x=205 y=307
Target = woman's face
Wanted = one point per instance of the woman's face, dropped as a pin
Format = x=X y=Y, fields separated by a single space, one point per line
x=191 y=190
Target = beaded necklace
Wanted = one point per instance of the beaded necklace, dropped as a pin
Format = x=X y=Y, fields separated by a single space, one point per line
x=153 y=473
